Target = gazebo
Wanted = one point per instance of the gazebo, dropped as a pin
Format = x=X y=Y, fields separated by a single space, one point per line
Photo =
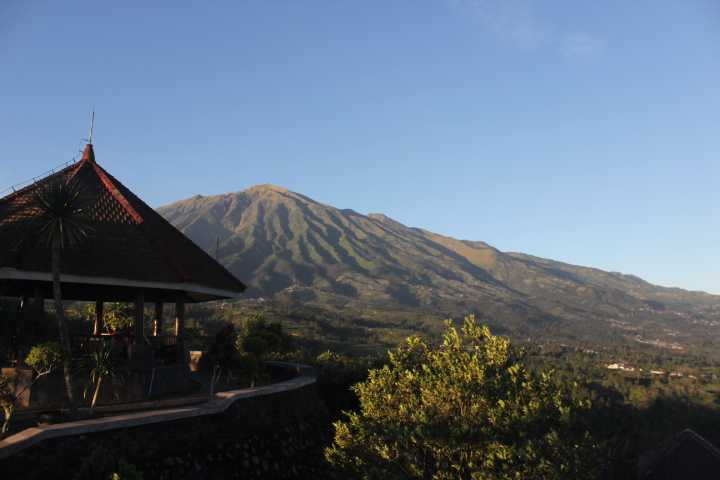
x=133 y=255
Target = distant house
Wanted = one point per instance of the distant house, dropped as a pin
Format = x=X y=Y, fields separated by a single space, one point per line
x=620 y=366
x=687 y=456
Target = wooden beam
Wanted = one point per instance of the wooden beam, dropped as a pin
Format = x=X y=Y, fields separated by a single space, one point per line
x=180 y=328
x=99 y=322
x=38 y=311
x=38 y=299
x=180 y=318
x=140 y=317
x=157 y=321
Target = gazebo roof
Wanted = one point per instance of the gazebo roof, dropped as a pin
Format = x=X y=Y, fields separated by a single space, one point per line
x=131 y=247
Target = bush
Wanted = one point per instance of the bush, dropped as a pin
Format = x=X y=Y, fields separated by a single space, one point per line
x=222 y=350
x=7 y=402
x=255 y=345
x=337 y=374
x=104 y=464
x=45 y=357
x=262 y=338
x=117 y=317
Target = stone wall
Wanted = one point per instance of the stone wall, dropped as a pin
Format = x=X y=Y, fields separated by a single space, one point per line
x=277 y=435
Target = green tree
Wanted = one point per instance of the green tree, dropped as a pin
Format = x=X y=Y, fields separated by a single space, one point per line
x=7 y=403
x=62 y=223
x=102 y=365
x=468 y=408
x=259 y=337
x=256 y=340
x=118 y=317
x=43 y=359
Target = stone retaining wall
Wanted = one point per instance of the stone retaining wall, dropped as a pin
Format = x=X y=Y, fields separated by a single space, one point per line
x=277 y=431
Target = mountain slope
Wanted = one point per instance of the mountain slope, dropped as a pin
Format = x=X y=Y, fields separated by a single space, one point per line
x=284 y=244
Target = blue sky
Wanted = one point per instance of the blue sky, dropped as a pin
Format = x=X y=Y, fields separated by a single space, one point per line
x=583 y=131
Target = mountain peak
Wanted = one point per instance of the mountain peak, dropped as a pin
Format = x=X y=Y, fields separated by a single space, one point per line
x=381 y=217
x=268 y=187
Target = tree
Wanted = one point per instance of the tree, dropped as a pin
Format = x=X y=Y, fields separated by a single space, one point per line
x=117 y=317
x=102 y=365
x=7 y=403
x=255 y=341
x=468 y=408
x=62 y=223
x=259 y=337
x=43 y=359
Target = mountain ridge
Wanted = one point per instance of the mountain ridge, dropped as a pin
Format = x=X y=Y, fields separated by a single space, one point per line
x=286 y=245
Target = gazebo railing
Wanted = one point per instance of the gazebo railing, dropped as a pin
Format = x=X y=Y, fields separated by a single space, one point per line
x=83 y=345
x=164 y=346
x=163 y=340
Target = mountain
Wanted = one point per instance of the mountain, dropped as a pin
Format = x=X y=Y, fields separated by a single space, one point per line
x=285 y=245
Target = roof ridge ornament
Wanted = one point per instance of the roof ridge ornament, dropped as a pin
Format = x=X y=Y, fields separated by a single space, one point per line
x=92 y=126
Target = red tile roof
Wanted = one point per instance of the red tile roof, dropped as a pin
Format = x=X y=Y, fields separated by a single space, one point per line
x=131 y=244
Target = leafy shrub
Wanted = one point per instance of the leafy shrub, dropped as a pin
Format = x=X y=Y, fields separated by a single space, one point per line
x=222 y=350
x=104 y=464
x=247 y=365
x=126 y=471
x=7 y=402
x=118 y=317
x=44 y=358
x=254 y=345
x=337 y=373
x=101 y=365
x=261 y=338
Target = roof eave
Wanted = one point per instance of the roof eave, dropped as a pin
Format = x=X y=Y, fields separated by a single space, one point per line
x=8 y=273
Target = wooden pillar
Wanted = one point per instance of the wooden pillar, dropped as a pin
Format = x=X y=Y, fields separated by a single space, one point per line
x=180 y=328
x=157 y=321
x=98 y=323
x=38 y=300
x=140 y=317
x=4 y=331
x=22 y=329
x=39 y=311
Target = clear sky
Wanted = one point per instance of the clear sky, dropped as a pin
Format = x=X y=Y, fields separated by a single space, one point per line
x=582 y=131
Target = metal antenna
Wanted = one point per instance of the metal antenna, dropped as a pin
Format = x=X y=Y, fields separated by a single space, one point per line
x=92 y=125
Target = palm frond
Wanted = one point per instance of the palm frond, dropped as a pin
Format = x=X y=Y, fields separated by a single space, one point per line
x=64 y=209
